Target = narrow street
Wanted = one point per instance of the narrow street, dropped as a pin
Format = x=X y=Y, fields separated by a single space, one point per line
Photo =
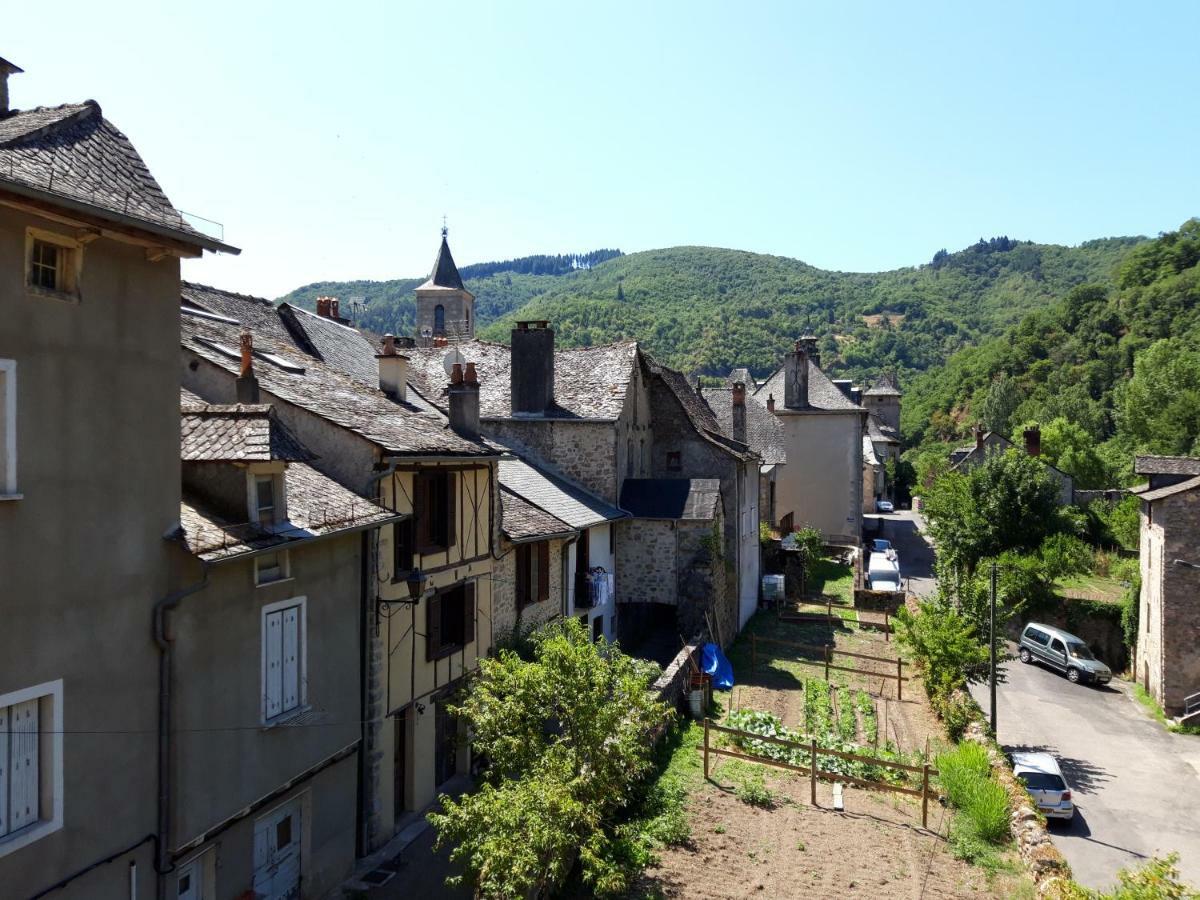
x=1135 y=784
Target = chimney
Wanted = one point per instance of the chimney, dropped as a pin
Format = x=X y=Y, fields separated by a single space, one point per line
x=6 y=69
x=739 y=411
x=333 y=308
x=795 y=377
x=464 y=400
x=323 y=307
x=978 y=437
x=810 y=344
x=770 y=403
x=532 y=369
x=247 y=383
x=1033 y=441
x=393 y=370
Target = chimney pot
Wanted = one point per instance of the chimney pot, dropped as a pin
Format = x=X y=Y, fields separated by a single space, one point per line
x=389 y=345
x=333 y=308
x=770 y=403
x=456 y=374
x=6 y=69
x=532 y=369
x=246 y=383
x=978 y=437
x=247 y=347
x=469 y=375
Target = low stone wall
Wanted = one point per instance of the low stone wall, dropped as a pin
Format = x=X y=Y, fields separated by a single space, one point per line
x=880 y=601
x=671 y=687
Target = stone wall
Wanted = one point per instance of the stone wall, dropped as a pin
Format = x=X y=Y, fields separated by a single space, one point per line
x=705 y=582
x=646 y=561
x=1098 y=624
x=864 y=598
x=583 y=452
x=508 y=619
x=1176 y=620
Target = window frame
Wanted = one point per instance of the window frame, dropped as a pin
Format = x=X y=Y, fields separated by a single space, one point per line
x=532 y=573
x=429 y=484
x=285 y=567
x=50 y=750
x=404 y=547
x=68 y=266
x=8 y=430
x=302 y=706
x=435 y=620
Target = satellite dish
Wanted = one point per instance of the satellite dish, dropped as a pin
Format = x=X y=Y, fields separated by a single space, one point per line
x=454 y=356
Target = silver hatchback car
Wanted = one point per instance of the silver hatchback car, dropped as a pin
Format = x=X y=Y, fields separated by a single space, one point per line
x=1063 y=651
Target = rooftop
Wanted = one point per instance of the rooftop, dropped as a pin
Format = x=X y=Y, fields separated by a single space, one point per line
x=1170 y=490
x=523 y=521
x=561 y=499
x=239 y=432
x=445 y=272
x=764 y=432
x=823 y=394
x=1166 y=465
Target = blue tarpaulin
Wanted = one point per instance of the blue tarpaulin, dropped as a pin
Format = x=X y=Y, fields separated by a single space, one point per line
x=714 y=663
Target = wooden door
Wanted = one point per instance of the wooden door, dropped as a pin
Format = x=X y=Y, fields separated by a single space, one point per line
x=277 y=854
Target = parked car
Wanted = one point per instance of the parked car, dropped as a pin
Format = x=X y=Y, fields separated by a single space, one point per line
x=883 y=571
x=880 y=545
x=884 y=506
x=1045 y=783
x=1063 y=651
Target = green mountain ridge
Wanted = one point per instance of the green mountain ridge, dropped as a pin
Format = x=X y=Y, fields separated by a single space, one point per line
x=706 y=310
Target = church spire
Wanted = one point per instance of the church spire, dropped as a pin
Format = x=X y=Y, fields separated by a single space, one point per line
x=445 y=308
x=445 y=272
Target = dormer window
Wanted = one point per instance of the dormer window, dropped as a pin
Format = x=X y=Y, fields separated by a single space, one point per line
x=266 y=499
x=52 y=263
x=264 y=487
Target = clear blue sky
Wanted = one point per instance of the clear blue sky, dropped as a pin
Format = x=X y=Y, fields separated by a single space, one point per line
x=331 y=138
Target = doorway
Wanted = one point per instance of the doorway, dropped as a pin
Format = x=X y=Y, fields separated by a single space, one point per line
x=446 y=750
x=277 y=854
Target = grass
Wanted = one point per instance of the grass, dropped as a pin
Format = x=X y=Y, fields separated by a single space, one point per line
x=826 y=576
x=980 y=826
x=1092 y=587
x=660 y=818
x=1156 y=712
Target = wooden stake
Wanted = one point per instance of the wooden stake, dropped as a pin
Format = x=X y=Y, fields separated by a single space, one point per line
x=826 y=662
x=925 y=795
x=706 y=748
x=753 y=651
x=899 y=680
x=813 y=770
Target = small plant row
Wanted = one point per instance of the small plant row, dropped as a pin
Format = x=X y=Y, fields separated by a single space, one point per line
x=866 y=712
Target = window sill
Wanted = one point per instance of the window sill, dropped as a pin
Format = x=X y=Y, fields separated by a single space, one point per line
x=287 y=718
x=44 y=294
x=4 y=497
x=12 y=842
x=262 y=584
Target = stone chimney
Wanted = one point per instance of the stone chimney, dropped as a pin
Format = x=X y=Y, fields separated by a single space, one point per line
x=795 y=377
x=333 y=308
x=323 y=307
x=532 y=369
x=770 y=403
x=978 y=437
x=393 y=370
x=1033 y=441
x=739 y=411
x=464 y=400
x=247 y=382
x=810 y=344
x=6 y=69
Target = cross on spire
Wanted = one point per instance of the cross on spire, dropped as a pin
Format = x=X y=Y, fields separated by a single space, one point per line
x=445 y=230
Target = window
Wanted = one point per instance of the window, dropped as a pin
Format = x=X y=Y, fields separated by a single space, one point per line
x=674 y=461
x=434 y=507
x=283 y=658
x=449 y=621
x=31 y=751
x=402 y=548
x=52 y=263
x=264 y=500
x=8 y=428
x=533 y=573
x=439 y=319
x=271 y=567
x=1057 y=646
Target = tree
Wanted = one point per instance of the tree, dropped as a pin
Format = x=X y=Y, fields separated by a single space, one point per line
x=1160 y=405
x=1001 y=402
x=1070 y=448
x=566 y=737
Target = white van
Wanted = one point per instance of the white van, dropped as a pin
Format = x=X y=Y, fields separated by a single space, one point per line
x=883 y=572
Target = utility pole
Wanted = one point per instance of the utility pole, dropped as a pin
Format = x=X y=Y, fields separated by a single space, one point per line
x=992 y=636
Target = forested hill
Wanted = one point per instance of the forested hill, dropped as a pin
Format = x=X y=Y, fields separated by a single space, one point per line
x=1110 y=371
x=707 y=310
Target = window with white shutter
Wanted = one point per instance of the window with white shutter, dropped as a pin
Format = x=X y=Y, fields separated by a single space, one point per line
x=283 y=658
x=30 y=765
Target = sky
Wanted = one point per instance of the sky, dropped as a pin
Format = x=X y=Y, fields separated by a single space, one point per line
x=329 y=140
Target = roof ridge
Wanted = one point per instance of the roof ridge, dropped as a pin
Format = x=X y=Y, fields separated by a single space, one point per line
x=195 y=285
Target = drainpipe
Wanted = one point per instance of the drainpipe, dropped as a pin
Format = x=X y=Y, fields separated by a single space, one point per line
x=568 y=576
x=164 y=606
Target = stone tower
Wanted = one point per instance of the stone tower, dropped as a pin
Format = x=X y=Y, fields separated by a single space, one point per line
x=445 y=308
x=883 y=399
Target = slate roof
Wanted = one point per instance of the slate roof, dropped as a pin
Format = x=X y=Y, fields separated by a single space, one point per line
x=742 y=375
x=285 y=372
x=73 y=156
x=256 y=313
x=445 y=272
x=317 y=506
x=1166 y=465
x=764 y=431
x=879 y=431
x=589 y=382
x=559 y=498
x=342 y=347
x=212 y=432
x=869 y=457
x=521 y=521
x=822 y=393
x=671 y=498
x=884 y=386
x=698 y=412
x=1169 y=490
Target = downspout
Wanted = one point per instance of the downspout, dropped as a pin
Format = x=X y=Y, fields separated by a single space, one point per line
x=161 y=609
x=568 y=578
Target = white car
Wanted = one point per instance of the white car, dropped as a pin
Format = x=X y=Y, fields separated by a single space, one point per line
x=880 y=545
x=1045 y=783
x=884 y=506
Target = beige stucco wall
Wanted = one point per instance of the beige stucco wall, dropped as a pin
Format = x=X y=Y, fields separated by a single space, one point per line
x=83 y=555
x=822 y=483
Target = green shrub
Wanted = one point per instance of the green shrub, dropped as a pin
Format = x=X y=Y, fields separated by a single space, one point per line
x=987 y=811
x=955 y=711
x=960 y=768
x=752 y=789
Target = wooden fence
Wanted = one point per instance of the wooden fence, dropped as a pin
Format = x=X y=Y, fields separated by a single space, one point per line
x=827 y=652
x=813 y=770
x=829 y=617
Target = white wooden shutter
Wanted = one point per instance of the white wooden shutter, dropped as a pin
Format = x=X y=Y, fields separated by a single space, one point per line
x=291 y=658
x=23 y=778
x=274 y=652
x=4 y=717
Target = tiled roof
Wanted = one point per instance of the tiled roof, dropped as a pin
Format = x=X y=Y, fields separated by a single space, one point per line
x=256 y=313
x=522 y=521
x=238 y=432
x=72 y=154
x=445 y=272
x=1169 y=490
x=589 y=382
x=317 y=506
x=822 y=393
x=764 y=432
x=880 y=431
x=340 y=346
x=295 y=377
x=1166 y=465
x=869 y=457
x=671 y=498
x=563 y=500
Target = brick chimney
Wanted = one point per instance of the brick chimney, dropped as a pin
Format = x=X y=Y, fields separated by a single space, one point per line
x=323 y=307
x=393 y=370
x=770 y=403
x=1033 y=441
x=739 y=411
x=532 y=369
x=795 y=377
x=464 y=400
x=978 y=437
x=247 y=382
x=333 y=308
x=6 y=69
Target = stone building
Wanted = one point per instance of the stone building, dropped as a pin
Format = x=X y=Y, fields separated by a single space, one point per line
x=882 y=399
x=754 y=424
x=89 y=486
x=989 y=442
x=1167 y=660
x=445 y=308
